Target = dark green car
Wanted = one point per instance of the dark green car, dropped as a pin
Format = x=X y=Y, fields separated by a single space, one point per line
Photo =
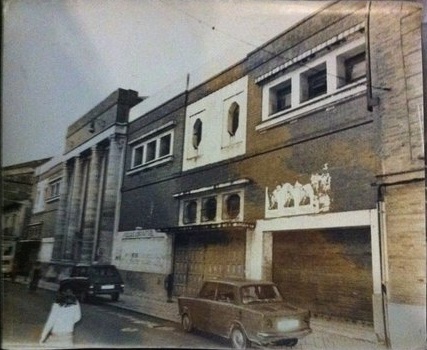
x=87 y=281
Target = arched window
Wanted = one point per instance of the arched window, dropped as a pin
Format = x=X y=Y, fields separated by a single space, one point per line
x=232 y=206
x=209 y=209
x=197 y=133
x=190 y=212
x=233 y=118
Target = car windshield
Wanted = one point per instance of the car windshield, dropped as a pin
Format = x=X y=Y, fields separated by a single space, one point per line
x=260 y=293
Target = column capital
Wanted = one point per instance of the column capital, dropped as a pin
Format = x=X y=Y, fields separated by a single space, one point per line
x=118 y=139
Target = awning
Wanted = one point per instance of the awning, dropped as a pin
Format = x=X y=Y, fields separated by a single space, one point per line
x=208 y=227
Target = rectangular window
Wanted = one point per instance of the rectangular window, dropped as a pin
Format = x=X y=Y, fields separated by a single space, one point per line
x=138 y=156
x=316 y=83
x=53 y=190
x=280 y=97
x=151 y=151
x=355 y=68
x=165 y=145
x=313 y=82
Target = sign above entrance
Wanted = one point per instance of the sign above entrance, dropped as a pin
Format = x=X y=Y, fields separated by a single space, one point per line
x=300 y=199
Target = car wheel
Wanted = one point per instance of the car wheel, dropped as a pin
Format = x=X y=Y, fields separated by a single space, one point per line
x=291 y=342
x=238 y=339
x=187 y=325
x=115 y=296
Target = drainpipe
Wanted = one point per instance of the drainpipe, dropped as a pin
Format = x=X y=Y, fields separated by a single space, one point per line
x=370 y=100
x=382 y=247
x=424 y=68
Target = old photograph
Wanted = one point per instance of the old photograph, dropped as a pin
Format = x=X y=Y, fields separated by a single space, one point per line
x=213 y=174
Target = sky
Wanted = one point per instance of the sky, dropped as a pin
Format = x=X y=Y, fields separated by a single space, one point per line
x=62 y=57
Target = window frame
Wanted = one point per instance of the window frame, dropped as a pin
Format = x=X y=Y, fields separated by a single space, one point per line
x=144 y=146
x=275 y=96
x=221 y=215
x=53 y=190
x=197 y=133
x=232 y=125
x=302 y=105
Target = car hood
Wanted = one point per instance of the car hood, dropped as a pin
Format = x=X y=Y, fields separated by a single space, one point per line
x=276 y=308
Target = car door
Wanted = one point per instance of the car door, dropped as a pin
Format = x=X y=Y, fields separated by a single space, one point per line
x=223 y=310
x=201 y=311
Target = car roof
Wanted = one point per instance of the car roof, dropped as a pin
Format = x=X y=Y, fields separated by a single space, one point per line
x=238 y=282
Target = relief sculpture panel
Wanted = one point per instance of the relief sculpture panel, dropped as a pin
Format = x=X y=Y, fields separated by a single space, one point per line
x=297 y=199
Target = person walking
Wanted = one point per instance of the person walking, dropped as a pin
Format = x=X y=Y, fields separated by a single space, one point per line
x=58 y=331
x=35 y=277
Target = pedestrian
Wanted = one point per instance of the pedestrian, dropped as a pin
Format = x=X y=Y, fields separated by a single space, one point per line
x=58 y=331
x=35 y=277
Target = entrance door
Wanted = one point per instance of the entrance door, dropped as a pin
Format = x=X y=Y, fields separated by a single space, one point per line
x=327 y=271
x=208 y=254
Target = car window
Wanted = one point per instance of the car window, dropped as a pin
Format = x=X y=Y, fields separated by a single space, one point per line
x=208 y=291
x=105 y=271
x=80 y=272
x=260 y=293
x=225 y=293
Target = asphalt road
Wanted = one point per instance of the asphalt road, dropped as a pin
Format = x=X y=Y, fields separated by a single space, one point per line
x=102 y=324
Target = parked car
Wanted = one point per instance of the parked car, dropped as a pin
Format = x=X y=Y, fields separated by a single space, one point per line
x=245 y=312
x=86 y=281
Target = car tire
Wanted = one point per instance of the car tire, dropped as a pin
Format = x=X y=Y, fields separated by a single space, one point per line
x=291 y=342
x=187 y=324
x=115 y=296
x=239 y=339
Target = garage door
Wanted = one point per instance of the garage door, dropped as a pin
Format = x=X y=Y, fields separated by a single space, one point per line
x=203 y=255
x=326 y=271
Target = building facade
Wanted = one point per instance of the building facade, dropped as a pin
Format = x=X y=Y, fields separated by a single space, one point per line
x=46 y=193
x=302 y=164
x=91 y=172
x=19 y=245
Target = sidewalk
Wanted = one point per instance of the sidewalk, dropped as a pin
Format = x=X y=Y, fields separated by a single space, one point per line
x=327 y=334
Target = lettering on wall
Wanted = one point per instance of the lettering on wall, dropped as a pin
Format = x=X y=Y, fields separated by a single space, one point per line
x=297 y=199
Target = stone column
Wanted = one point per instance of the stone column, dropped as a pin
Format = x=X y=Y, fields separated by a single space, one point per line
x=112 y=188
x=61 y=216
x=75 y=200
x=89 y=223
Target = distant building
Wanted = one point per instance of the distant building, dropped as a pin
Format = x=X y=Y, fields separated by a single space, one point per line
x=19 y=246
x=302 y=164
x=46 y=193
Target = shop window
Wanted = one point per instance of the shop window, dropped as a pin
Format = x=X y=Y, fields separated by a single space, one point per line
x=190 y=212
x=313 y=83
x=233 y=118
x=232 y=206
x=280 y=97
x=197 y=133
x=209 y=209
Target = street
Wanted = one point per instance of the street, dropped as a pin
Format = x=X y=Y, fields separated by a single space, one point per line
x=102 y=325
